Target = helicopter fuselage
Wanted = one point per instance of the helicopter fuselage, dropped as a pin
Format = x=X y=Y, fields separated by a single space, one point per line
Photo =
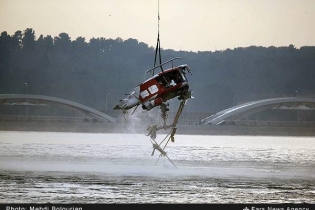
x=158 y=89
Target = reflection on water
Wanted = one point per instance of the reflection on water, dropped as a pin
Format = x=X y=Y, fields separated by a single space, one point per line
x=105 y=168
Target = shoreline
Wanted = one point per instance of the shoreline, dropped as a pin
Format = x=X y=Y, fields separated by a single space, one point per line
x=185 y=129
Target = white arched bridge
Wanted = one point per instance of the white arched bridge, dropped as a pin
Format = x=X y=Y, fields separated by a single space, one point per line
x=29 y=99
x=243 y=110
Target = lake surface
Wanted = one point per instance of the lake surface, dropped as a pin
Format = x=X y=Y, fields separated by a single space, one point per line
x=56 y=167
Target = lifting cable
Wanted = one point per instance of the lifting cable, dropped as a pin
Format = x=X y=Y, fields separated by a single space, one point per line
x=158 y=44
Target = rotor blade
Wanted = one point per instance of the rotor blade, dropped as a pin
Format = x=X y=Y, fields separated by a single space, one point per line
x=167 y=158
x=170 y=161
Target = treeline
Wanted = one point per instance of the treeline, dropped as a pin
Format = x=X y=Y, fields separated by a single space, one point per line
x=88 y=71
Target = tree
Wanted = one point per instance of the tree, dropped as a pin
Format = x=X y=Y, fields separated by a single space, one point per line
x=49 y=43
x=5 y=41
x=79 y=45
x=28 y=40
x=16 y=41
x=62 y=42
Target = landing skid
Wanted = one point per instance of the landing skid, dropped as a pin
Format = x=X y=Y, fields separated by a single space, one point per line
x=154 y=128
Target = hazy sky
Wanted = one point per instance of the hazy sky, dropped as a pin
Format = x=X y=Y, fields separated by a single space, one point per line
x=192 y=25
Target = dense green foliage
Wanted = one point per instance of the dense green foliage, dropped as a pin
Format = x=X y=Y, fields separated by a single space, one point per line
x=86 y=72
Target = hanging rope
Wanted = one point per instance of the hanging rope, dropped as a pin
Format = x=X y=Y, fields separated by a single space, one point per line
x=158 y=44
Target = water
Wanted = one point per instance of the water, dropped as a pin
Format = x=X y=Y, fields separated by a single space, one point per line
x=41 y=167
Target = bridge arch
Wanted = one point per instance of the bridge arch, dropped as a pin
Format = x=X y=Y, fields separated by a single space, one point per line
x=49 y=100
x=246 y=109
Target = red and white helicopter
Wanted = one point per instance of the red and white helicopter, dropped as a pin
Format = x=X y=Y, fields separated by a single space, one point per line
x=156 y=91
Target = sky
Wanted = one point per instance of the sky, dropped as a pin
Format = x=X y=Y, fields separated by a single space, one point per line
x=189 y=25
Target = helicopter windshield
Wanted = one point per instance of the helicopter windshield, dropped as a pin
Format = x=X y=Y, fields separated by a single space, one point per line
x=171 y=78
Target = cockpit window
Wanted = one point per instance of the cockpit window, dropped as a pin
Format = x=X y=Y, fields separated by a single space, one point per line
x=171 y=78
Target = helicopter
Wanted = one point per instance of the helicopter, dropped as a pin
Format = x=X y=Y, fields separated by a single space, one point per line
x=158 y=89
